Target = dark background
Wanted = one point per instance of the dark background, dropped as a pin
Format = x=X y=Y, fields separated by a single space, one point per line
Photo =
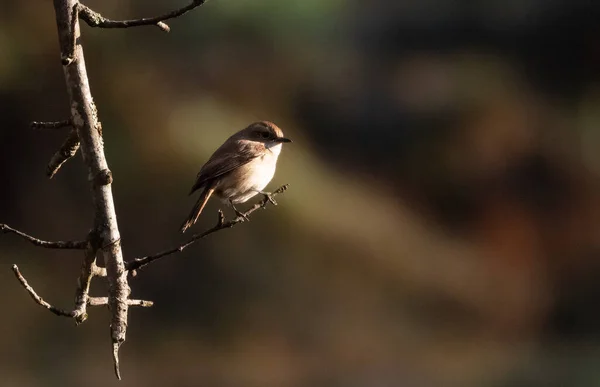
x=442 y=225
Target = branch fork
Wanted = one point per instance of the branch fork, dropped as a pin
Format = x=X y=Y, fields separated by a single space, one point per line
x=89 y=269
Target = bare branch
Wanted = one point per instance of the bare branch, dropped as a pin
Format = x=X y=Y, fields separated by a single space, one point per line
x=101 y=301
x=85 y=120
x=139 y=263
x=73 y=245
x=116 y=346
x=39 y=300
x=97 y=301
x=67 y=150
x=94 y=19
x=83 y=283
x=50 y=125
x=82 y=298
x=141 y=303
x=67 y=32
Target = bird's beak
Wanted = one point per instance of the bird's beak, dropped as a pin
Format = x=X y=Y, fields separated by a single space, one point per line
x=283 y=139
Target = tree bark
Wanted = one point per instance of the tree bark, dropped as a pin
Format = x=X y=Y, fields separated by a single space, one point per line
x=85 y=120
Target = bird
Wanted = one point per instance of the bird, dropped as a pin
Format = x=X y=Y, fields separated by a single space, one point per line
x=239 y=169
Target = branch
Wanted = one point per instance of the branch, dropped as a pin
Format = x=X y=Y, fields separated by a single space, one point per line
x=88 y=271
x=101 y=301
x=67 y=150
x=94 y=19
x=85 y=120
x=115 y=353
x=86 y=133
x=139 y=263
x=79 y=313
x=82 y=298
x=39 y=300
x=50 y=125
x=73 y=245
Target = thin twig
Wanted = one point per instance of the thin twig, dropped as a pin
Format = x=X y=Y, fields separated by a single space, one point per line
x=50 y=125
x=39 y=300
x=94 y=19
x=82 y=294
x=74 y=245
x=139 y=263
x=97 y=301
x=116 y=345
x=141 y=303
x=67 y=150
x=101 y=301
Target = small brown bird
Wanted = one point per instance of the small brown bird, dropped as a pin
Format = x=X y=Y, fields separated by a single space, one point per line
x=240 y=169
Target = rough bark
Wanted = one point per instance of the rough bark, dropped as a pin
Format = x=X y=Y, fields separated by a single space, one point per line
x=85 y=120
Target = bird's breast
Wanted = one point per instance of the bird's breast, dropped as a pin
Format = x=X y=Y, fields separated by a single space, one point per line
x=244 y=182
x=262 y=171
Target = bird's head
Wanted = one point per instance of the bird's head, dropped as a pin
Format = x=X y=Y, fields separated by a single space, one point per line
x=264 y=132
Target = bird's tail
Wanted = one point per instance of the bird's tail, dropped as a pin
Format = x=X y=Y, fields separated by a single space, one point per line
x=198 y=207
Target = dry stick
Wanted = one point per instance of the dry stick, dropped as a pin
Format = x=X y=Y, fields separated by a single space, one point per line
x=91 y=301
x=85 y=279
x=94 y=19
x=67 y=150
x=138 y=263
x=85 y=120
x=88 y=271
x=50 y=125
x=100 y=301
x=73 y=245
x=79 y=313
x=38 y=299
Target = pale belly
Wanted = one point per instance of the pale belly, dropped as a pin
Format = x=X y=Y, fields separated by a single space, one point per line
x=246 y=181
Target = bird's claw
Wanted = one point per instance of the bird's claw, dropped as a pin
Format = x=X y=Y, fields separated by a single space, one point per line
x=241 y=215
x=269 y=197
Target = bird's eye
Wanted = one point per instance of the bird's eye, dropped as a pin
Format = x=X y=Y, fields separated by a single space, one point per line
x=264 y=134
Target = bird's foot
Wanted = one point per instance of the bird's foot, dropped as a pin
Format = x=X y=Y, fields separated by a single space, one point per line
x=269 y=197
x=241 y=215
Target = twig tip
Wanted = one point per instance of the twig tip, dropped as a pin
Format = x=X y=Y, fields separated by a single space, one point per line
x=116 y=346
x=163 y=26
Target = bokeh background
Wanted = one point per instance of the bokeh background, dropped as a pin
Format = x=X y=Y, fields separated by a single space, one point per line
x=442 y=226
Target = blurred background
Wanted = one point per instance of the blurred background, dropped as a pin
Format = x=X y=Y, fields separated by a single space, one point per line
x=442 y=227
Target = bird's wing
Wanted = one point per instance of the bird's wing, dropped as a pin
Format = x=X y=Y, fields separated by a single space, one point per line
x=228 y=157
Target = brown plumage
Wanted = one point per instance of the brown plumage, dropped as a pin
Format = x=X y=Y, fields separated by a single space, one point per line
x=198 y=207
x=239 y=169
